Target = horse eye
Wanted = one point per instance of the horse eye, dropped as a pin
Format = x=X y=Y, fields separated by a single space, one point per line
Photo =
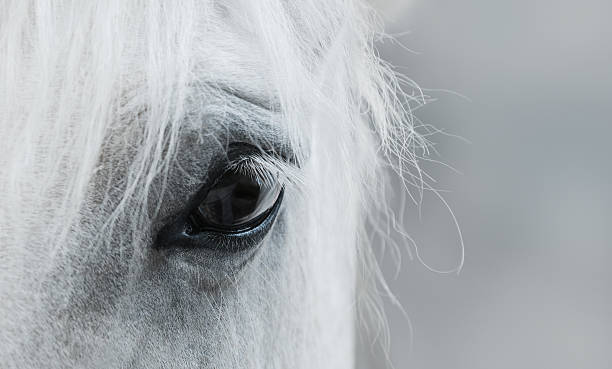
x=235 y=203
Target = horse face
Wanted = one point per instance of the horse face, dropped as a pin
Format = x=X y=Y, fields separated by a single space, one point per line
x=122 y=129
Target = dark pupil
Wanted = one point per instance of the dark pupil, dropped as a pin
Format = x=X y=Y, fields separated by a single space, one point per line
x=234 y=201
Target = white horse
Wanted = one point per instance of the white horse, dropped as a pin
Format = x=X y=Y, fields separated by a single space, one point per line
x=188 y=184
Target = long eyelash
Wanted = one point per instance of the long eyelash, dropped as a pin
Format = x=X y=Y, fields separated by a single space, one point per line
x=267 y=170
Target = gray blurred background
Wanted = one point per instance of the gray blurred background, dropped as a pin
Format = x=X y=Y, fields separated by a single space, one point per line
x=533 y=197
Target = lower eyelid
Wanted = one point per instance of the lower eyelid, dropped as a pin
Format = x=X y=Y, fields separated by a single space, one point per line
x=175 y=235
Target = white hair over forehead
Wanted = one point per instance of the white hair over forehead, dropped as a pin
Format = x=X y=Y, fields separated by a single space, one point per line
x=86 y=82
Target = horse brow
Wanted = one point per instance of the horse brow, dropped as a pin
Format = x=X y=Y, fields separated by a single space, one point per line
x=251 y=98
x=277 y=148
